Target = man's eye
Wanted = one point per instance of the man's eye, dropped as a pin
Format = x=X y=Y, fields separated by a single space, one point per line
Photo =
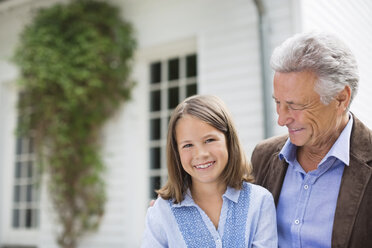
x=296 y=106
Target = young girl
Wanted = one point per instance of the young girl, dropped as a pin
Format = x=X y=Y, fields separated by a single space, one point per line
x=208 y=200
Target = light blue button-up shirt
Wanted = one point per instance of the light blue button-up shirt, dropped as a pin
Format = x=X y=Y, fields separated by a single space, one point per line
x=247 y=219
x=307 y=201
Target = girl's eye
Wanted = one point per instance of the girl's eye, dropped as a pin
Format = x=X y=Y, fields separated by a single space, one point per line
x=187 y=146
x=209 y=140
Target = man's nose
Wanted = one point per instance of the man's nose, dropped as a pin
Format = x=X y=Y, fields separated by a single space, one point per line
x=284 y=116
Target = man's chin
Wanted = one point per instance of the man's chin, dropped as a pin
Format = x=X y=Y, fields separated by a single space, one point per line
x=296 y=141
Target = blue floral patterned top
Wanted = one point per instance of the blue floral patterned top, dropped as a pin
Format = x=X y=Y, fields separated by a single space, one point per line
x=247 y=219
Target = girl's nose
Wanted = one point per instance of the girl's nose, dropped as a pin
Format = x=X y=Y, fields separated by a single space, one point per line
x=201 y=152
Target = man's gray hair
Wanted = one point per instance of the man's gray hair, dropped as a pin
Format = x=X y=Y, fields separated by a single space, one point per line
x=323 y=54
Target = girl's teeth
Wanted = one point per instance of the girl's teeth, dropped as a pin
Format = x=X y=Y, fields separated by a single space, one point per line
x=203 y=166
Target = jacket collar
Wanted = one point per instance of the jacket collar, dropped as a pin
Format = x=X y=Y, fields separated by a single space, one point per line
x=353 y=184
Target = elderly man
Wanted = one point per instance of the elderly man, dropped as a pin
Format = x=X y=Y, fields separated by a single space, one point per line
x=320 y=173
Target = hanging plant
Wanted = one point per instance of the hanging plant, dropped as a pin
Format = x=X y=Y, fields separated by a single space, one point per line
x=75 y=61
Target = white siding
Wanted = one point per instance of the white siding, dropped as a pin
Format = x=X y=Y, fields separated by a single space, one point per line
x=352 y=22
x=230 y=67
x=227 y=48
x=284 y=21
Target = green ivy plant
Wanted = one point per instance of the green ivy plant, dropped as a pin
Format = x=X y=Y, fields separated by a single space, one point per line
x=75 y=60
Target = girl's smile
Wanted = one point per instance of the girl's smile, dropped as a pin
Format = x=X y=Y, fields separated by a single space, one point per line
x=205 y=165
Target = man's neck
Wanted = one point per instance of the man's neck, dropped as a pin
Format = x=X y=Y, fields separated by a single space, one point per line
x=309 y=156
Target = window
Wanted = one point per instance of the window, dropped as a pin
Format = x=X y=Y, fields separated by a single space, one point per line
x=171 y=80
x=25 y=209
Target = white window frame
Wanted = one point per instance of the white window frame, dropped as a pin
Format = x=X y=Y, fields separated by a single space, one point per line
x=163 y=53
x=8 y=109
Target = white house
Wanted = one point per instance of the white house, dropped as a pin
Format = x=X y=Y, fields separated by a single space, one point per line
x=185 y=47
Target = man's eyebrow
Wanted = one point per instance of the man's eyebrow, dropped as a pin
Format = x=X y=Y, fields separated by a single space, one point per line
x=288 y=102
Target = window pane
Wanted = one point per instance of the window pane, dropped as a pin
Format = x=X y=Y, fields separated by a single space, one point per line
x=155 y=129
x=155 y=100
x=18 y=169
x=16 y=218
x=19 y=146
x=155 y=76
x=173 y=98
x=191 y=89
x=191 y=68
x=29 y=193
x=154 y=185
x=30 y=169
x=28 y=218
x=155 y=158
x=173 y=69
x=17 y=193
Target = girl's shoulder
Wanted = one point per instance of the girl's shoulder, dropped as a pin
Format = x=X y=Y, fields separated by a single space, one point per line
x=256 y=191
x=162 y=204
x=160 y=207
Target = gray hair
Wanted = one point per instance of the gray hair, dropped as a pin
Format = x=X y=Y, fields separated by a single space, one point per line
x=323 y=54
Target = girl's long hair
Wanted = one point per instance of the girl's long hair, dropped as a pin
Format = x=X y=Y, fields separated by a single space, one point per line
x=213 y=111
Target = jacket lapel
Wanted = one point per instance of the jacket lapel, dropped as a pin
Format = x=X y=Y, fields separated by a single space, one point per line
x=353 y=185
x=276 y=175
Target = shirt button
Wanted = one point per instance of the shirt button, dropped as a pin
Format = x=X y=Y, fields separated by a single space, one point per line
x=297 y=222
x=306 y=186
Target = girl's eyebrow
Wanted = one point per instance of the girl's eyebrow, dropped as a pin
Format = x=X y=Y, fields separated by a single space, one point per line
x=208 y=135
x=184 y=142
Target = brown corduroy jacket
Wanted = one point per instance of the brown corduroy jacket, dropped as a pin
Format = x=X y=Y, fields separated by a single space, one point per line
x=352 y=226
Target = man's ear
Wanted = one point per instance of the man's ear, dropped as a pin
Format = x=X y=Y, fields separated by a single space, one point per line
x=343 y=99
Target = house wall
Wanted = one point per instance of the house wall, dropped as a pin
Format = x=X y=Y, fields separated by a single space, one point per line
x=225 y=36
x=352 y=22
x=13 y=16
x=226 y=41
x=284 y=19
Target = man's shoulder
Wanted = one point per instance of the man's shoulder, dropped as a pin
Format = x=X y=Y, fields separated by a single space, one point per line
x=361 y=141
x=272 y=144
x=267 y=150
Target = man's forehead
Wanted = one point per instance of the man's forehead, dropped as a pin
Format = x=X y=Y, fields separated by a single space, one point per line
x=293 y=98
x=294 y=86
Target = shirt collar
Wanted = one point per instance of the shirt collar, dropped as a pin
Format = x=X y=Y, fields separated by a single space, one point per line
x=230 y=193
x=339 y=150
x=187 y=201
